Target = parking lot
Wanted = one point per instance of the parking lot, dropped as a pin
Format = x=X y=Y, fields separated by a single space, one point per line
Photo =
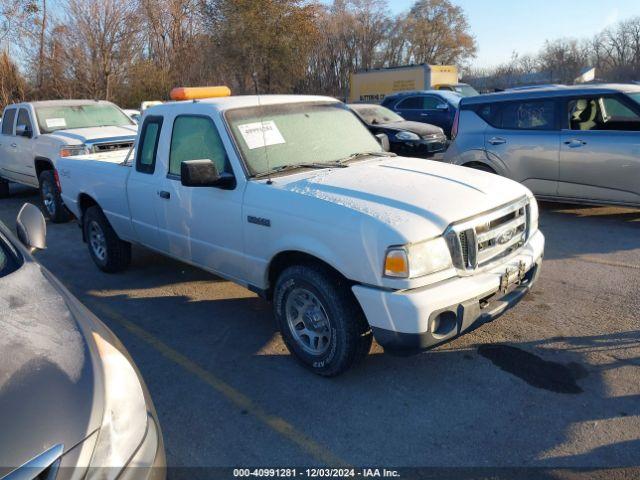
x=554 y=382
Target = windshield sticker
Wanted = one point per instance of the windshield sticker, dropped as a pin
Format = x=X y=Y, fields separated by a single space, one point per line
x=56 y=122
x=256 y=137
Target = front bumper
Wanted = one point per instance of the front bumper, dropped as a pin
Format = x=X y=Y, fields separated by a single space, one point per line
x=422 y=318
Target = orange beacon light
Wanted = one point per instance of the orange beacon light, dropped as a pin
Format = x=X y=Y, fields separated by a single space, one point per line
x=194 y=93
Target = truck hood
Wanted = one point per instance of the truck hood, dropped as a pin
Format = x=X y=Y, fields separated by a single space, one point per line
x=419 y=198
x=47 y=377
x=77 y=136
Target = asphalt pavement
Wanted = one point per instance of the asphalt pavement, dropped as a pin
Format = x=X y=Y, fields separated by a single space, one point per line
x=553 y=383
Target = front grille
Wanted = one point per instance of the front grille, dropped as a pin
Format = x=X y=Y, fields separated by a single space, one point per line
x=484 y=239
x=106 y=147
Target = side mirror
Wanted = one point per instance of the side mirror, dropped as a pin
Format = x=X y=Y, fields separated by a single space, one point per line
x=24 y=131
x=31 y=227
x=442 y=106
x=204 y=173
x=383 y=140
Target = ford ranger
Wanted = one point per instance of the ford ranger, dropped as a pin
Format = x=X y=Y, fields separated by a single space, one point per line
x=34 y=135
x=293 y=198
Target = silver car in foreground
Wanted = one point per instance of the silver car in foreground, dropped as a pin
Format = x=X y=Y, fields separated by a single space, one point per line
x=568 y=143
x=72 y=403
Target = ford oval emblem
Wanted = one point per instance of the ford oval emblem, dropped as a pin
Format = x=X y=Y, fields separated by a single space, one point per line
x=506 y=236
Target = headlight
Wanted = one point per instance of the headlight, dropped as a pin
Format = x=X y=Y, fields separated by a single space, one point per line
x=125 y=415
x=534 y=214
x=71 y=150
x=418 y=259
x=407 y=136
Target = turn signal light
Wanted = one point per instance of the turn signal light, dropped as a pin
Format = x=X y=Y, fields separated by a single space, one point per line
x=396 y=264
x=195 y=93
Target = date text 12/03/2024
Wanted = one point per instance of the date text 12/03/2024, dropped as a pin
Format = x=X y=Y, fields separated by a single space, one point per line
x=316 y=473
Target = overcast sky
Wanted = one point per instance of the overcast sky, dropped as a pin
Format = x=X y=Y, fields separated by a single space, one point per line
x=502 y=26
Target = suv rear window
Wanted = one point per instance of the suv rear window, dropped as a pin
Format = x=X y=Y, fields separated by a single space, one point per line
x=524 y=115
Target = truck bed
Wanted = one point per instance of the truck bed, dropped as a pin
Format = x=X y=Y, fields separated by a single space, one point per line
x=101 y=177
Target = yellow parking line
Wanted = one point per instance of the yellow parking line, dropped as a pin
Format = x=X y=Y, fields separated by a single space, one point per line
x=234 y=396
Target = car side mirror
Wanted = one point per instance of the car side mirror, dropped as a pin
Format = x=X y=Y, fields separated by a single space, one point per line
x=24 y=131
x=383 y=140
x=204 y=173
x=442 y=106
x=31 y=227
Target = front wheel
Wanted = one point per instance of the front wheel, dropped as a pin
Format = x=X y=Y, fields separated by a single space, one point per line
x=50 y=196
x=108 y=252
x=320 y=320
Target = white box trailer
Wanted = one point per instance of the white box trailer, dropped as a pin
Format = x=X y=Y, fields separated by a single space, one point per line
x=374 y=85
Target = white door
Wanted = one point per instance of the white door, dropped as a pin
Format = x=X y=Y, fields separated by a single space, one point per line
x=203 y=225
x=8 y=145
x=142 y=185
x=24 y=158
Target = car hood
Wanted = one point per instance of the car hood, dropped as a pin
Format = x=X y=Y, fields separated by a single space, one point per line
x=75 y=136
x=418 y=128
x=47 y=376
x=418 y=198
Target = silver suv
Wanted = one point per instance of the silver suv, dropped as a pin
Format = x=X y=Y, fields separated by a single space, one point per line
x=570 y=143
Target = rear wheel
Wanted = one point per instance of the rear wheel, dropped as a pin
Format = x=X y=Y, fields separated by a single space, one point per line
x=51 y=200
x=320 y=320
x=4 y=188
x=108 y=252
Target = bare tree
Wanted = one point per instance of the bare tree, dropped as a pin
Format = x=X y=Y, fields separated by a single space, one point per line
x=100 y=42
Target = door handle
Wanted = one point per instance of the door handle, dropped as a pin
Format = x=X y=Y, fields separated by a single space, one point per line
x=424 y=114
x=575 y=143
x=497 y=141
x=14 y=145
x=164 y=194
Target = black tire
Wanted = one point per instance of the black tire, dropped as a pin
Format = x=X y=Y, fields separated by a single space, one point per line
x=349 y=335
x=4 y=188
x=109 y=253
x=481 y=166
x=51 y=200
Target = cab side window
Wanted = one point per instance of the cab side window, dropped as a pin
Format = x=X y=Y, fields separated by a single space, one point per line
x=25 y=119
x=7 y=121
x=148 y=146
x=196 y=138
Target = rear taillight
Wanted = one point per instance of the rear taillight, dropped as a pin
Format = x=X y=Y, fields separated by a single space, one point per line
x=57 y=180
x=454 y=127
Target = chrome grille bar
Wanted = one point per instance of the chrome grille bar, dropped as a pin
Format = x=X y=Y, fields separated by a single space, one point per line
x=487 y=237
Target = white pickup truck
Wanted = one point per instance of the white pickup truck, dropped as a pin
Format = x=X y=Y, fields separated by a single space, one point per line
x=292 y=197
x=35 y=134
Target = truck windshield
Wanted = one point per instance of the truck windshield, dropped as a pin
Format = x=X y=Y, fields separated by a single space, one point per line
x=276 y=136
x=65 y=117
x=635 y=96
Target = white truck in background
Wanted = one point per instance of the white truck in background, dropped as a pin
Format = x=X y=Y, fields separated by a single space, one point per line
x=35 y=134
x=293 y=198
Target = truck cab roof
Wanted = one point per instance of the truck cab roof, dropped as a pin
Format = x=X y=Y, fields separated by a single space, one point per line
x=244 y=101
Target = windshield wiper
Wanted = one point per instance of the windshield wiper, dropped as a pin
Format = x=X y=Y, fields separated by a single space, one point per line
x=295 y=166
x=357 y=155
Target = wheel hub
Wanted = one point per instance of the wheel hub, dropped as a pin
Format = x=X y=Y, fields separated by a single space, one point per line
x=97 y=241
x=48 y=197
x=308 y=321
